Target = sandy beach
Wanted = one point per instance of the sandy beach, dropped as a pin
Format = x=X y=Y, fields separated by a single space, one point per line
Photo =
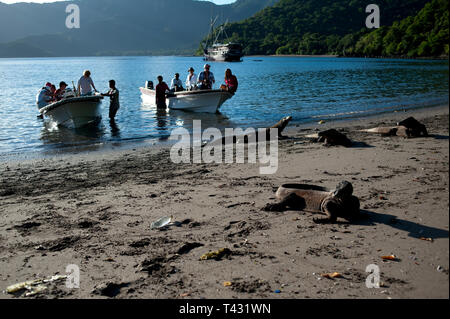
x=94 y=210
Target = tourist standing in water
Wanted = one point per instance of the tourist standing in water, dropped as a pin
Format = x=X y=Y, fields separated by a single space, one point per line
x=114 y=103
x=161 y=89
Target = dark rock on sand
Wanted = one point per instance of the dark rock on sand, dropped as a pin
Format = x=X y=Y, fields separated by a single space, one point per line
x=186 y=248
x=109 y=289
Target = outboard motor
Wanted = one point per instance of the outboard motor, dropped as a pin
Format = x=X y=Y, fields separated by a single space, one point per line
x=149 y=85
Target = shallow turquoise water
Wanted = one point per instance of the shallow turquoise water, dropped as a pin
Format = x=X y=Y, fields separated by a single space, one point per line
x=309 y=89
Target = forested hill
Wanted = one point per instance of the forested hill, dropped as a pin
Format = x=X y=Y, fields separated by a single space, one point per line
x=422 y=35
x=335 y=27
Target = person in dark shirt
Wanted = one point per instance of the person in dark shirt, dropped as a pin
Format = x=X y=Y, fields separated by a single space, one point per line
x=206 y=78
x=60 y=92
x=114 y=103
x=161 y=89
x=231 y=81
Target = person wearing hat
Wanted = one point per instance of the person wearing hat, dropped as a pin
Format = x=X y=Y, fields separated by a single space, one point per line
x=60 y=92
x=191 y=80
x=85 y=83
x=176 y=85
x=206 y=78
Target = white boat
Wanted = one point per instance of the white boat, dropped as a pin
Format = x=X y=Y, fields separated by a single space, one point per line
x=205 y=101
x=74 y=112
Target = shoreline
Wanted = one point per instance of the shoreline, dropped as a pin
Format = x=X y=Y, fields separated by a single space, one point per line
x=119 y=147
x=440 y=58
x=95 y=211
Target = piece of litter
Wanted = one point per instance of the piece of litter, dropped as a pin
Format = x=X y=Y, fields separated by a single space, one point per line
x=322 y=122
x=22 y=285
x=162 y=222
x=332 y=275
x=35 y=290
x=278 y=291
x=185 y=294
x=426 y=239
x=33 y=286
x=217 y=255
x=391 y=257
x=227 y=284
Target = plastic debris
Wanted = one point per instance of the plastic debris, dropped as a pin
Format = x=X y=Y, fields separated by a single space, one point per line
x=217 y=255
x=36 y=290
x=322 y=122
x=227 y=284
x=33 y=286
x=426 y=239
x=278 y=291
x=162 y=222
x=390 y=257
x=332 y=275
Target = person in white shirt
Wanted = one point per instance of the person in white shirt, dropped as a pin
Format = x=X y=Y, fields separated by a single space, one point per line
x=44 y=96
x=191 y=80
x=85 y=84
x=176 y=84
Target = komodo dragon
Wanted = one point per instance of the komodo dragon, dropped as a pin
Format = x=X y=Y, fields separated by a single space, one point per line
x=281 y=125
x=407 y=128
x=337 y=203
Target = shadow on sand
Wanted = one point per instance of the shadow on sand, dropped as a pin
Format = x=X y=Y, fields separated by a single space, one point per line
x=414 y=230
x=439 y=137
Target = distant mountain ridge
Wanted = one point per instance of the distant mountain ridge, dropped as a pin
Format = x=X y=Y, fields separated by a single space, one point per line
x=114 y=27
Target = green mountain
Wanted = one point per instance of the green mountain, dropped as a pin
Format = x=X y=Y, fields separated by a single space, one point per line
x=315 y=26
x=422 y=35
x=114 y=27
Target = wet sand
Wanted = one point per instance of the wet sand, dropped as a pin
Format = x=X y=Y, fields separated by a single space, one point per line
x=95 y=211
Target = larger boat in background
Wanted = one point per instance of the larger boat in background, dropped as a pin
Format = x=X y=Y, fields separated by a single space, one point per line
x=223 y=52
x=231 y=52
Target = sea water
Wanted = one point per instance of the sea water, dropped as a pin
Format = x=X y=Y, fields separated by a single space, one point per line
x=309 y=89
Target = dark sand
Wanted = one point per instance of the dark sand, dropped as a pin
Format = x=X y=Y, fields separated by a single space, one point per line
x=95 y=210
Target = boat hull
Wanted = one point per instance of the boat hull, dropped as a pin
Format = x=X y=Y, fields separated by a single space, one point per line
x=74 y=112
x=201 y=101
x=220 y=58
x=231 y=52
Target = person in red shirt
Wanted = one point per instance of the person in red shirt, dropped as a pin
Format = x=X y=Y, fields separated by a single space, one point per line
x=231 y=81
x=161 y=89
x=60 y=92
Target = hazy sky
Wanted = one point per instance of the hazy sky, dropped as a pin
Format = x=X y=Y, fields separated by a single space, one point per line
x=41 y=1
